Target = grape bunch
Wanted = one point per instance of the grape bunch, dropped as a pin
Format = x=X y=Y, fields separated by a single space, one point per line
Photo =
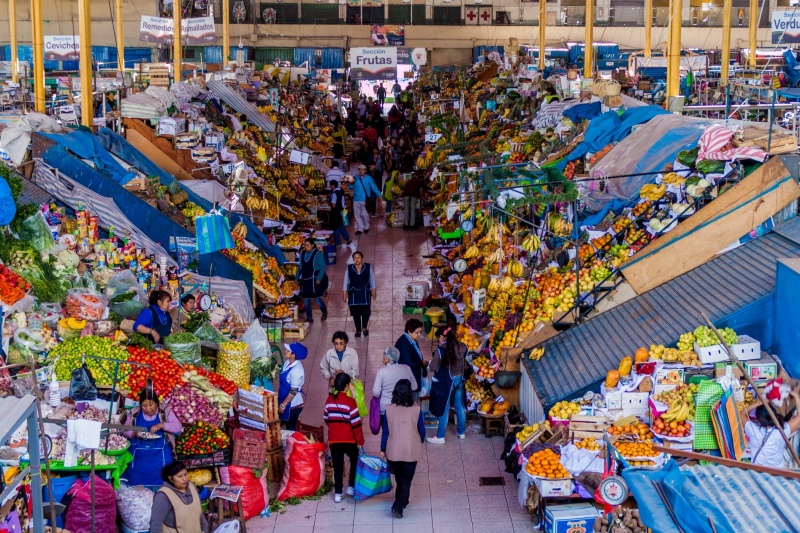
x=512 y=321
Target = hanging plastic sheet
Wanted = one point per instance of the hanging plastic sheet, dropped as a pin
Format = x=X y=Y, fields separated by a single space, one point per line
x=87 y=146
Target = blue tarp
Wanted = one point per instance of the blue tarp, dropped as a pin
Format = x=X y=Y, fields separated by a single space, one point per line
x=158 y=226
x=611 y=127
x=580 y=112
x=117 y=145
x=87 y=146
x=7 y=206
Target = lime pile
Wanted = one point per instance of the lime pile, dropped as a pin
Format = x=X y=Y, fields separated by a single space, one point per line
x=69 y=355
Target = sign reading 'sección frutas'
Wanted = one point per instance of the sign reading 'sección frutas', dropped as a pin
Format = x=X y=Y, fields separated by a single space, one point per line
x=194 y=31
x=375 y=63
x=62 y=47
x=785 y=26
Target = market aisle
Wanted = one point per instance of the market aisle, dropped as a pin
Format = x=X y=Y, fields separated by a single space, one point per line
x=446 y=496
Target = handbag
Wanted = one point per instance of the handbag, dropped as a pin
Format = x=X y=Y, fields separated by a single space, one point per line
x=375 y=415
x=372 y=477
x=358 y=387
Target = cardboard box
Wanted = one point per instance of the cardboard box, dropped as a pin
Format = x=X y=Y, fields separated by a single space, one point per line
x=747 y=349
x=170 y=126
x=762 y=369
x=721 y=368
x=644 y=85
x=570 y=517
x=136 y=184
x=554 y=487
x=612 y=101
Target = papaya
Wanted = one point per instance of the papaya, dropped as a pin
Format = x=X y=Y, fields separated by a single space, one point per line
x=625 y=365
x=612 y=379
x=478 y=281
x=641 y=355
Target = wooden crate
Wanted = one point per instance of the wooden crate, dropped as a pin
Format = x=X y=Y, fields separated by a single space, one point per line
x=259 y=407
x=159 y=77
x=275 y=465
x=273 y=435
x=136 y=184
x=295 y=331
x=588 y=427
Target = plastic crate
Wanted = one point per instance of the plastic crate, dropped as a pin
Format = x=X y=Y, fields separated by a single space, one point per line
x=217 y=458
x=249 y=448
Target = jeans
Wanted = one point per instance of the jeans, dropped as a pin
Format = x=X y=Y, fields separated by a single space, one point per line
x=361 y=216
x=388 y=207
x=338 y=451
x=339 y=234
x=457 y=392
x=294 y=417
x=410 y=205
x=320 y=303
x=403 y=476
x=360 y=314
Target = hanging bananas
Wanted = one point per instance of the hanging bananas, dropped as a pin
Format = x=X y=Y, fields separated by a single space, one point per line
x=495 y=257
x=560 y=227
x=472 y=252
x=531 y=243
x=240 y=230
x=653 y=192
x=515 y=269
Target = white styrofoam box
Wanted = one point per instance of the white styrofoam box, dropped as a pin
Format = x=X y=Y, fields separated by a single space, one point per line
x=711 y=354
x=614 y=400
x=635 y=400
x=417 y=290
x=554 y=487
x=642 y=414
x=170 y=126
x=747 y=348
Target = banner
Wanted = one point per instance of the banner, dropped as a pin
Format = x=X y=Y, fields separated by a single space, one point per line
x=412 y=56
x=62 y=47
x=160 y=30
x=374 y=63
x=785 y=26
x=386 y=34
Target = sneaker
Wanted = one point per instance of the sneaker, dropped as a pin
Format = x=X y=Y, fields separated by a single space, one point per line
x=350 y=491
x=366 y=231
x=358 y=233
x=349 y=242
x=397 y=514
x=358 y=334
x=435 y=440
x=337 y=498
x=462 y=436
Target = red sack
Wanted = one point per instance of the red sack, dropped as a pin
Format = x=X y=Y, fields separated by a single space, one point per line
x=79 y=511
x=254 y=496
x=304 y=473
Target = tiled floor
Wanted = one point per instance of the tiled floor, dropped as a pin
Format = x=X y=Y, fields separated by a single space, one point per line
x=446 y=496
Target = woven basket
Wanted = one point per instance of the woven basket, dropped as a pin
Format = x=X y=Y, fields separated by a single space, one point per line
x=604 y=88
x=249 y=448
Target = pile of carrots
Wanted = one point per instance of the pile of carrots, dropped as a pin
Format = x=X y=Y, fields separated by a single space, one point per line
x=12 y=286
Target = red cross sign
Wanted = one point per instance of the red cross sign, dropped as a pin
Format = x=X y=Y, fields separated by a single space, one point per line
x=485 y=16
x=471 y=15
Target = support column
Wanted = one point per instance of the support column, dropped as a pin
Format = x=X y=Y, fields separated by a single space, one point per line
x=542 y=24
x=727 y=15
x=12 y=37
x=226 y=31
x=38 y=56
x=588 y=52
x=753 y=33
x=648 y=27
x=674 y=49
x=84 y=21
x=177 y=41
x=120 y=40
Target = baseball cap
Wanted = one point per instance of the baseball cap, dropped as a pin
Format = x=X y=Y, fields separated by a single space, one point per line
x=362 y=166
x=300 y=352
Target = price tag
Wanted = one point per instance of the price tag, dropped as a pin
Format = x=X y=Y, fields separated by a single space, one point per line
x=431 y=138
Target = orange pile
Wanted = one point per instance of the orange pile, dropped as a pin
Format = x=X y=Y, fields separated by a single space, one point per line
x=636 y=449
x=546 y=463
x=638 y=430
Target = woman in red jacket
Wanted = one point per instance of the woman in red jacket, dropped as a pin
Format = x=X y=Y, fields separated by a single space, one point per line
x=345 y=436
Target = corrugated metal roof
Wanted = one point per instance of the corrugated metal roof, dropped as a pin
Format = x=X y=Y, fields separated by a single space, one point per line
x=235 y=100
x=580 y=356
x=33 y=194
x=751 y=501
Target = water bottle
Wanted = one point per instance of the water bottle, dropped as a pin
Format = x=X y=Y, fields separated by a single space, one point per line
x=55 y=392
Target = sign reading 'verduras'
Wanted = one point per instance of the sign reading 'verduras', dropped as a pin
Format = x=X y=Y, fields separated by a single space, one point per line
x=194 y=31
x=373 y=63
x=62 y=47
x=785 y=26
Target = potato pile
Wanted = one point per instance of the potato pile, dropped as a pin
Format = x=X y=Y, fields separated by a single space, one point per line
x=620 y=521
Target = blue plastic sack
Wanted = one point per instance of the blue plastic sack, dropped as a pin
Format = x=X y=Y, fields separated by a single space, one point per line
x=213 y=234
x=372 y=477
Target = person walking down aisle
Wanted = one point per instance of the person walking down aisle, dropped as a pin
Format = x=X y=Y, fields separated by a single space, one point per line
x=345 y=435
x=359 y=291
x=339 y=359
x=401 y=442
x=388 y=376
x=176 y=505
x=313 y=279
x=411 y=194
x=410 y=353
x=380 y=92
x=290 y=390
x=448 y=368
x=363 y=186
x=336 y=217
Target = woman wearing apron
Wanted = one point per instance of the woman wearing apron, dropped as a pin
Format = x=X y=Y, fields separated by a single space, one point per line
x=358 y=292
x=154 y=322
x=313 y=279
x=150 y=455
x=292 y=377
x=176 y=505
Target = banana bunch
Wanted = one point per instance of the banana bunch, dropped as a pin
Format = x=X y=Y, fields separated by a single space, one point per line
x=494 y=286
x=425 y=160
x=472 y=252
x=256 y=204
x=531 y=243
x=495 y=257
x=262 y=154
x=498 y=310
x=559 y=226
x=678 y=412
x=536 y=353
x=653 y=192
x=515 y=268
x=240 y=230
x=467 y=214
x=673 y=178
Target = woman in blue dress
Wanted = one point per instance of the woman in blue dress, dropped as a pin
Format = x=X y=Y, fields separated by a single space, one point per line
x=359 y=291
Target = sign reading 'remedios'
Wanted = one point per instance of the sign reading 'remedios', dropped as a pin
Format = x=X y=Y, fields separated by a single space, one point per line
x=373 y=63
x=160 y=30
x=62 y=47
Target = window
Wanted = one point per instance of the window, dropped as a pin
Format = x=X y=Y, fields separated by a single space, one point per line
x=320 y=14
x=366 y=15
x=402 y=14
x=277 y=13
x=447 y=15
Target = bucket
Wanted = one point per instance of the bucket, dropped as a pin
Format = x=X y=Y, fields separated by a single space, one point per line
x=330 y=254
x=436 y=316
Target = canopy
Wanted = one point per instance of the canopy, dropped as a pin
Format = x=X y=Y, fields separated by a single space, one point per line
x=86 y=146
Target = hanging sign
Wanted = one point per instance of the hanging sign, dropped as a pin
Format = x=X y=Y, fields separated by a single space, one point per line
x=785 y=26
x=160 y=30
x=62 y=47
x=373 y=63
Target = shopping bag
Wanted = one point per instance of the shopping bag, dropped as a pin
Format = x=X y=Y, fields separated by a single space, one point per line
x=345 y=217
x=358 y=387
x=372 y=477
x=375 y=415
x=213 y=233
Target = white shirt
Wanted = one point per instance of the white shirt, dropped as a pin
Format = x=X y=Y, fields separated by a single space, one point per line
x=295 y=378
x=771 y=453
x=334 y=174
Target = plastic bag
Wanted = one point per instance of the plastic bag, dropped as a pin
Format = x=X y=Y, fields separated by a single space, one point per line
x=32 y=340
x=51 y=313
x=81 y=386
x=86 y=304
x=254 y=498
x=358 y=386
x=256 y=338
x=36 y=231
x=304 y=472
x=372 y=477
x=207 y=332
x=375 y=415
x=228 y=527
x=134 y=505
x=79 y=511
x=121 y=283
x=185 y=348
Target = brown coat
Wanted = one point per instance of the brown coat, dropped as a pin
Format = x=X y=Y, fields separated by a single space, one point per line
x=404 y=442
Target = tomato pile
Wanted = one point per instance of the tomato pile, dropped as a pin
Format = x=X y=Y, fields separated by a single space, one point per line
x=164 y=371
x=12 y=286
x=201 y=439
x=224 y=384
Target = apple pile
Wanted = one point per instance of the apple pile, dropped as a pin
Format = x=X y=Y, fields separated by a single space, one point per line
x=672 y=429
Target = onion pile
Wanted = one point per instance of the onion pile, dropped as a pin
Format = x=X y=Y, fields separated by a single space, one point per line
x=192 y=407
